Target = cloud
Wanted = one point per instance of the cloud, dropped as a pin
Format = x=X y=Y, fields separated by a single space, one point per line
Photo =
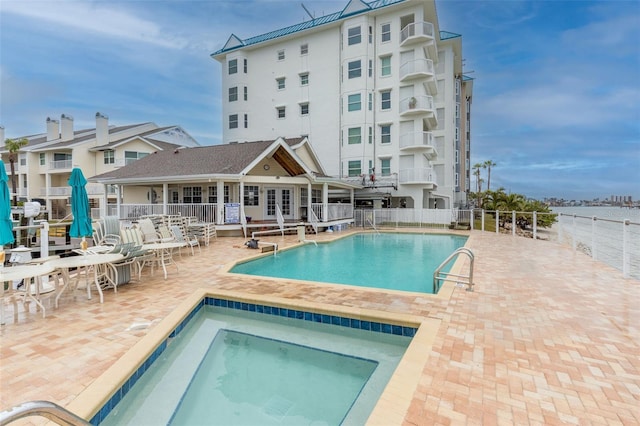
x=101 y=19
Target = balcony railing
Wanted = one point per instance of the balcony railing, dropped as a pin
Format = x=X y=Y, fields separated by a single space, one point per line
x=419 y=104
x=418 y=140
x=335 y=211
x=65 y=191
x=60 y=164
x=417 y=176
x=417 y=32
x=205 y=212
x=417 y=68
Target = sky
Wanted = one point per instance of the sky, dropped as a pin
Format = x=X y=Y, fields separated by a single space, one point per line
x=556 y=101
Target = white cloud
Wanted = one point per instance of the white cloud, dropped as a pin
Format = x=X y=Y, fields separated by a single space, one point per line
x=95 y=18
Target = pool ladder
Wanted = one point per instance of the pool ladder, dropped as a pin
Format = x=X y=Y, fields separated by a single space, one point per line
x=50 y=410
x=439 y=277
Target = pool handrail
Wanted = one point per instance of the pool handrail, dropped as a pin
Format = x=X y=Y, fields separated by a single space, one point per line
x=47 y=409
x=439 y=276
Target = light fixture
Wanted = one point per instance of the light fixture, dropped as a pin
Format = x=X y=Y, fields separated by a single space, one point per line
x=266 y=167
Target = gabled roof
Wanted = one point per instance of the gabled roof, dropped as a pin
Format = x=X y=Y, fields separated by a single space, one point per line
x=208 y=161
x=354 y=7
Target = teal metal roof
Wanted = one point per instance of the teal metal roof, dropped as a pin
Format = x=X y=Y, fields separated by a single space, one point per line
x=446 y=35
x=378 y=4
x=466 y=78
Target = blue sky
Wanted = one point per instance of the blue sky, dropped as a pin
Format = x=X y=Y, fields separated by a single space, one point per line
x=556 y=90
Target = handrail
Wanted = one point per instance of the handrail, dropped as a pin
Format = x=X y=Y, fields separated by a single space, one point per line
x=313 y=218
x=280 y=219
x=439 y=276
x=373 y=226
x=46 y=409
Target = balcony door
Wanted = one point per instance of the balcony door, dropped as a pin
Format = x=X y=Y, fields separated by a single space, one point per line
x=283 y=197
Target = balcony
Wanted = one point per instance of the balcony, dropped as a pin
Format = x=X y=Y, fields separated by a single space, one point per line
x=419 y=106
x=419 y=33
x=61 y=165
x=419 y=141
x=425 y=176
x=65 y=191
x=417 y=69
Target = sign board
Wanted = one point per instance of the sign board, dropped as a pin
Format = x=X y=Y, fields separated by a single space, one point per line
x=231 y=212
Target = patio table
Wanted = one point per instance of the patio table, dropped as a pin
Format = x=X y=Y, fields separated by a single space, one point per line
x=31 y=291
x=84 y=262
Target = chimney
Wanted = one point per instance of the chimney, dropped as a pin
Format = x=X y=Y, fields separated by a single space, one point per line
x=53 y=129
x=66 y=126
x=102 y=129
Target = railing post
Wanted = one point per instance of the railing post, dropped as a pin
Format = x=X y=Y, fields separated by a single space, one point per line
x=472 y=219
x=497 y=222
x=535 y=225
x=482 y=214
x=593 y=238
x=573 y=233
x=513 y=223
x=625 y=248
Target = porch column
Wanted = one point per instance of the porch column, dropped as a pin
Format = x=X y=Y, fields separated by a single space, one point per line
x=325 y=202
x=242 y=215
x=220 y=203
x=309 y=202
x=103 y=201
x=47 y=185
x=118 y=199
x=165 y=197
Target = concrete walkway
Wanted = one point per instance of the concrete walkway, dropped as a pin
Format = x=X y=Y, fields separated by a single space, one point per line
x=548 y=336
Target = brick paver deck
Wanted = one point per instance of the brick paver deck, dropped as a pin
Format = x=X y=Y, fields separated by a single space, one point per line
x=547 y=337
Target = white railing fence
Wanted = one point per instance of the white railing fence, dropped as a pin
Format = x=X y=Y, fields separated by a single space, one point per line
x=405 y=218
x=334 y=211
x=205 y=212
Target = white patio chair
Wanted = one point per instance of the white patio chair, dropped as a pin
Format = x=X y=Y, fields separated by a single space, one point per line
x=189 y=241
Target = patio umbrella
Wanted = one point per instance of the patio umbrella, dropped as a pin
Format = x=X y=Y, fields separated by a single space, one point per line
x=81 y=225
x=6 y=225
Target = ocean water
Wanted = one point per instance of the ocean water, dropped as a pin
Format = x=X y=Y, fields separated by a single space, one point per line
x=605 y=239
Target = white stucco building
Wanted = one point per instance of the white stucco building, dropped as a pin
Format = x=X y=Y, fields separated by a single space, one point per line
x=378 y=90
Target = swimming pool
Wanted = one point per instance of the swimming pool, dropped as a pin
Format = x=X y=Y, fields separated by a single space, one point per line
x=396 y=261
x=346 y=363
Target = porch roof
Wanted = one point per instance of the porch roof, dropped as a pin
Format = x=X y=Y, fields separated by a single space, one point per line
x=228 y=160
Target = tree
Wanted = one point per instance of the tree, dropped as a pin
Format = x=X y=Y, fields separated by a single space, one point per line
x=487 y=165
x=13 y=146
x=476 y=172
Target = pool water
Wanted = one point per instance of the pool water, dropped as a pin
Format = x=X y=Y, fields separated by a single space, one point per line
x=235 y=367
x=390 y=261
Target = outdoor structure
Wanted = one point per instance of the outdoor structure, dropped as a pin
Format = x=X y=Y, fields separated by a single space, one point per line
x=236 y=186
x=378 y=89
x=44 y=165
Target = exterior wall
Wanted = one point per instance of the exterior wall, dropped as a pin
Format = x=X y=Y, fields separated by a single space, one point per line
x=328 y=94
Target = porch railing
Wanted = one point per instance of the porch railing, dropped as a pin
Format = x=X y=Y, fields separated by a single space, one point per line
x=205 y=212
x=335 y=211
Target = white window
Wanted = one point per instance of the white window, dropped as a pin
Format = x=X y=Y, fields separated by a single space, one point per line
x=354 y=102
x=233 y=94
x=385 y=66
x=245 y=66
x=131 y=156
x=304 y=109
x=109 y=157
x=355 y=69
x=251 y=195
x=385 y=33
x=370 y=101
x=370 y=68
x=304 y=49
x=304 y=79
x=233 y=66
x=355 y=135
x=354 y=36
x=280 y=82
x=233 y=121
x=192 y=195
x=246 y=93
x=43 y=158
x=246 y=121
x=385 y=167
x=370 y=135
x=281 y=55
x=281 y=112
x=385 y=133
x=355 y=168
x=385 y=100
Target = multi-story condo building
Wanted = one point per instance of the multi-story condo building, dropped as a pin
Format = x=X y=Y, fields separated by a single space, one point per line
x=44 y=165
x=377 y=88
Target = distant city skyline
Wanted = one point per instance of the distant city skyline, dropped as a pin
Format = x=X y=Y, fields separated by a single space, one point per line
x=555 y=93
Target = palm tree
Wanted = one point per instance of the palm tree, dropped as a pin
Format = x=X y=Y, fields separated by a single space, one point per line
x=487 y=165
x=13 y=146
x=476 y=172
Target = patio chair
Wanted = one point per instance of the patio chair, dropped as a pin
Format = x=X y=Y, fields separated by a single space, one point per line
x=190 y=241
x=149 y=232
x=142 y=257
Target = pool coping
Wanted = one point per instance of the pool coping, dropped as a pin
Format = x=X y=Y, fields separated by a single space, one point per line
x=390 y=409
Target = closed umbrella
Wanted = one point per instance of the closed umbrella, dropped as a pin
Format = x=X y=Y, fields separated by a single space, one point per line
x=81 y=225
x=6 y=225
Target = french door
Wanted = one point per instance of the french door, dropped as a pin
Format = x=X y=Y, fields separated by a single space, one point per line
x=282 y=197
